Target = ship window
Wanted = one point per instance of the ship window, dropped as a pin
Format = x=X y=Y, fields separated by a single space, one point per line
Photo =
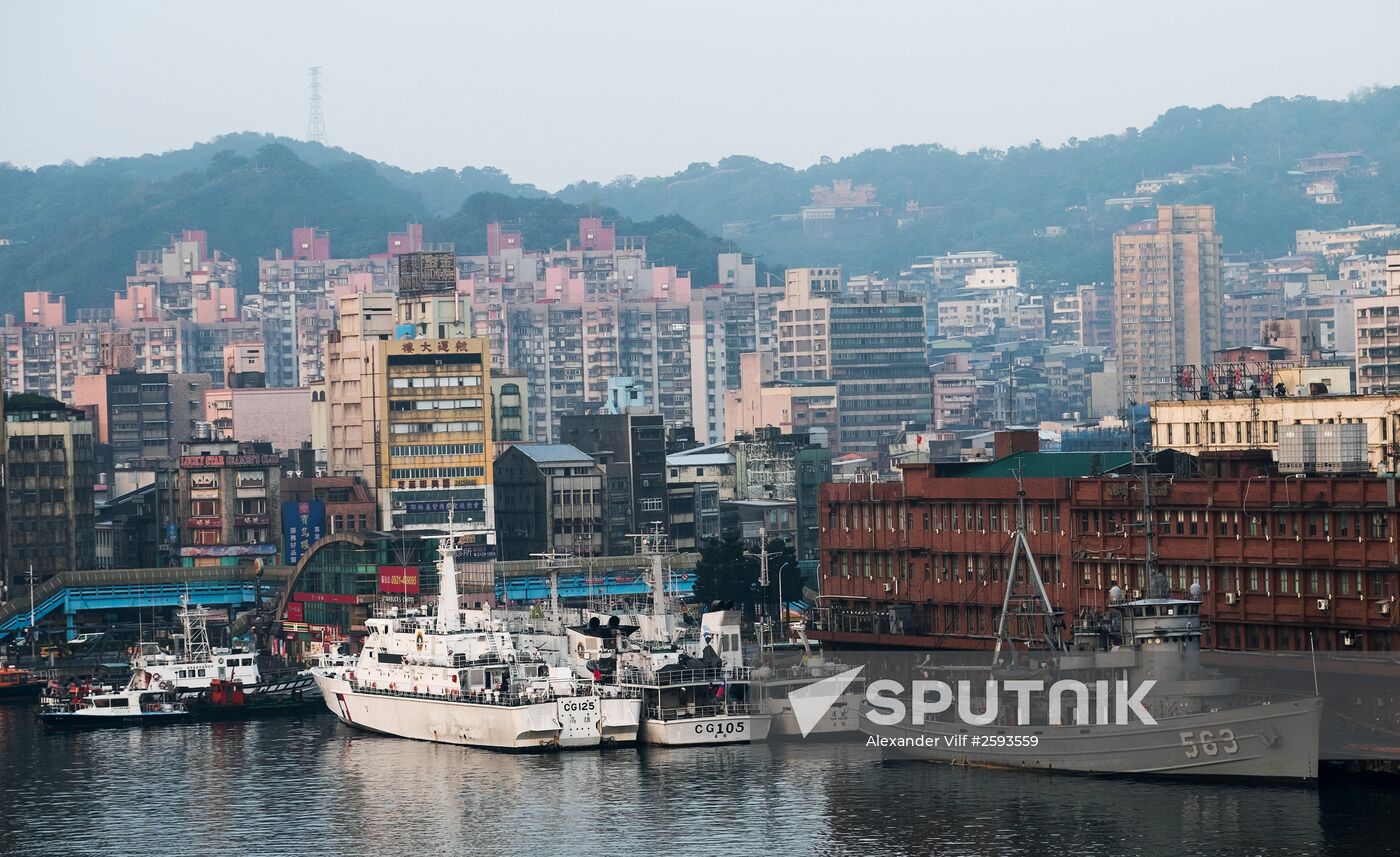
x=120 y=703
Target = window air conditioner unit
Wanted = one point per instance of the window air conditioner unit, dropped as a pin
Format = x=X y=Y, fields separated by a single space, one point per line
x=1137 y=593
x=1385 y=608
x=888 y=587
x=1322 y=603
x=1231 y=598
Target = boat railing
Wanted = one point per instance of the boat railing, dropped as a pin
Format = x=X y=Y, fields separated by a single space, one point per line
x=505 y=699
x=667 y=677
x=695 y=712
x=804 y=673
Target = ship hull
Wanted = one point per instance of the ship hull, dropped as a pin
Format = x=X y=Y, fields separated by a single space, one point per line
x=843 y=718
x=68 y=720
x=621 y=722
x=1277 y=740
x=22 y=692
x=717 y=729
x=564 y=723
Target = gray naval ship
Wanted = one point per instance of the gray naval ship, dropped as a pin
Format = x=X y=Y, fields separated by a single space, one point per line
x=1204 y=725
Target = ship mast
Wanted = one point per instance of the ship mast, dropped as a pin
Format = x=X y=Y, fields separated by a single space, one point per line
x=551 y=564
x=1029 y=605
x=449 y=616
x=652 y=545
x=1157 y=584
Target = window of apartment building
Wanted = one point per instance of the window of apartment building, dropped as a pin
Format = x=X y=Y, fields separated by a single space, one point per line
x=1380 y=526
x=205 y=537
x=1380 y=585
x=1254 y=580
x=1345 y=580
x=204 y=508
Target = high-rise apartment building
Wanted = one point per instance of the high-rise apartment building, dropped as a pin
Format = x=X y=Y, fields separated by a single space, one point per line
x=1167 y=274
x=406 y=397
x=48 y=494
x=1378 y=336
x=870 y=345
x=632 y=450
x=143 y=417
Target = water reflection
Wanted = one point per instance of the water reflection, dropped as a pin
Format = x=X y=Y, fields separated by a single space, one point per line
x=313 y=786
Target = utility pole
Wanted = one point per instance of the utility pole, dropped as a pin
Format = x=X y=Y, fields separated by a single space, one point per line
x=763 y=568
x=33 y=629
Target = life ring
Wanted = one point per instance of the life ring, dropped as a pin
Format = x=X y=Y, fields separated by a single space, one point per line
x=155 y=676
x=374 y=685
x=420 y=639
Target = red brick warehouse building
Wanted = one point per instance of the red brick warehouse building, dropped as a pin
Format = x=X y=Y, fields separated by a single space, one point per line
x=923 y=563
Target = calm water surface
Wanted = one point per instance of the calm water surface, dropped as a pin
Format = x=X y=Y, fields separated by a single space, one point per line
x=312 y=786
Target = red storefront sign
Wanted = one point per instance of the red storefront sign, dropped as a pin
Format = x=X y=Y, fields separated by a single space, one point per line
x=398 y=580
x=295 y=612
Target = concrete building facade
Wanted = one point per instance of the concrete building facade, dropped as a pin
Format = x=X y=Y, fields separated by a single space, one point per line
x=1167 y=275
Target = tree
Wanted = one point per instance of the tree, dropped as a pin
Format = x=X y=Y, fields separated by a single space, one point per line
x=727 y=571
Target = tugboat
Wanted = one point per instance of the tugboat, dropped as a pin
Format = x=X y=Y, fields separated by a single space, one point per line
x=229 y=700
x=18 y=685
x=195 y=665
x=430 y=678
x=1204 y=725
x=143 y=702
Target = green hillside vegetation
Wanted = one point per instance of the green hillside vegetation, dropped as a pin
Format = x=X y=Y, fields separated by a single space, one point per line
x=77 y=229
x=994 y=199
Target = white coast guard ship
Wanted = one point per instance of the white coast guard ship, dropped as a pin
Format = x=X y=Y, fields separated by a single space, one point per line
x=694 y=687
x=432 y=678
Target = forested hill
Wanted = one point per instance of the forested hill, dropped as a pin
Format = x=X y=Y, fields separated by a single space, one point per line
x=76 y=229
x=1003 y=200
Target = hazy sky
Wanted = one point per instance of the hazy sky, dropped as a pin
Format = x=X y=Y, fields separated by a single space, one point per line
x=553 y=92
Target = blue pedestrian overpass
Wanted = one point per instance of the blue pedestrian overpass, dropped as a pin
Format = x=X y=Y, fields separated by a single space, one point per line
x=72 y=592
x=535 y=587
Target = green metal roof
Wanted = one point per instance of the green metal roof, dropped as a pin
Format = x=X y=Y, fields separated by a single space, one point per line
x=1049 y=465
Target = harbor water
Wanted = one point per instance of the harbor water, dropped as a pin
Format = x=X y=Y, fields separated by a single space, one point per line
x=313 y=786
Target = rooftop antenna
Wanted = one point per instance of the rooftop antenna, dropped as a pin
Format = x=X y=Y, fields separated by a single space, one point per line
x=315 y=122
